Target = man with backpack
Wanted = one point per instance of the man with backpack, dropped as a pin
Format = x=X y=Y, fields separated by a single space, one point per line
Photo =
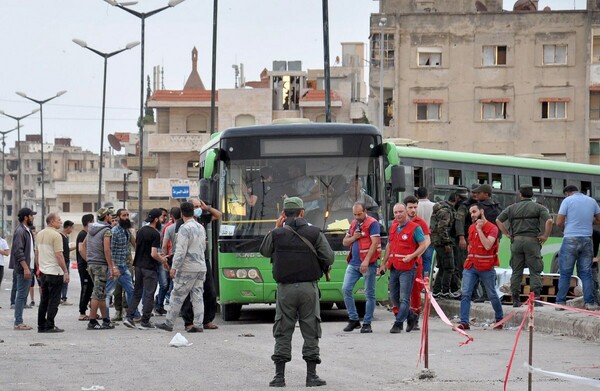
x=442 y=223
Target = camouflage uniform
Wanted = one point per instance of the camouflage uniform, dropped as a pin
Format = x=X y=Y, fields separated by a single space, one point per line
x=442 y=222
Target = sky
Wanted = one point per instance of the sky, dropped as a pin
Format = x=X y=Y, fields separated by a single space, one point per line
x=40 y=59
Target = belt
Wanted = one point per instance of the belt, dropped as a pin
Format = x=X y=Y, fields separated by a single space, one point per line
x=527 y=238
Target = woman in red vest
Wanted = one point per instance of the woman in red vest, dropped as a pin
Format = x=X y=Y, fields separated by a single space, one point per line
x=479 y=265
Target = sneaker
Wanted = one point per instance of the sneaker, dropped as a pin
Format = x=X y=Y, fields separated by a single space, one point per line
x=137 y=319
x=411 y=322
x=160 y=312
x=146 y=326
x=12 y=306
x=352 y=325
x=366 y=328
x=128 y=322
x=65 y=302
x=51 y=330
x=94 y=325
x=26 y=306
x=194 y=329
x=592 y=307
x=108 y=325
x=163 y=326
x=396 y=328
x=463 y=326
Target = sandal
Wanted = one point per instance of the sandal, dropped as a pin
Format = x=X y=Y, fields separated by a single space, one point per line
x=22 y=327
x=83 y=318
x=211 y=326
x=194 y=329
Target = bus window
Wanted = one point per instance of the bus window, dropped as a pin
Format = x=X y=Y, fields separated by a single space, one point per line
x=547 y=185
x=440 y=176
x=508 y=182
x=418 y=178
x=596 y=191
x=470 y=177
x=558 y=185
x=454 y=177
x=483 y=177
x=586 y=187
x=525 y=180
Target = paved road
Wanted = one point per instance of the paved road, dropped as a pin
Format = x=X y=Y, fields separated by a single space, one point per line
x=237 y=356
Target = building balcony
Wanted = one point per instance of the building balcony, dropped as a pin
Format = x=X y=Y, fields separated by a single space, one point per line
x=177 y=142
x=150 y=163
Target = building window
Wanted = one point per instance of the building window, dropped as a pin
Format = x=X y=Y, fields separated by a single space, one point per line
x=87 y=207
x=66 y=207
x=493 y=109
x=554 y=108
x=196 y=124
x=594 y=147
x=429 y=111
x=245 y=120
x=555 y=54
x=595 y=105
x=286 y=92
x=193 y=169
x=388 y=50
x=493 y=55
x=429 y=57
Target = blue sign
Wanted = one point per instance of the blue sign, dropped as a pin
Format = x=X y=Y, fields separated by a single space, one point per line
x=180 y=191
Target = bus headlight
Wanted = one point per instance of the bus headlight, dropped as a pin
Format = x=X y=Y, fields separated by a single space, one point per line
x=243 y=274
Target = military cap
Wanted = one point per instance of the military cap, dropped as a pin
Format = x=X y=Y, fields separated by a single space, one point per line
x=484 y=189
x=103 y=212
x=293 y=203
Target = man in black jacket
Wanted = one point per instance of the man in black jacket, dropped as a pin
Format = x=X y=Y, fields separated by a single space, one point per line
x=22 y=262
x=300 y=254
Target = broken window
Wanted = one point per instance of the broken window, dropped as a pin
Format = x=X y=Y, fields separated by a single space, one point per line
x=429 y=57
x=555 y=54
x=428 y=111
x=388 y=50
x=286 y=92
x=493 y=55
x=493 y=110
x=554 y=109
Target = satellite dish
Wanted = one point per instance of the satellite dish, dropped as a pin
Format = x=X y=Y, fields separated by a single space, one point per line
x=114 y=142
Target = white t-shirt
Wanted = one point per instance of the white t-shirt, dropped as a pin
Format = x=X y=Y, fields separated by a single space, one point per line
x=3 y=246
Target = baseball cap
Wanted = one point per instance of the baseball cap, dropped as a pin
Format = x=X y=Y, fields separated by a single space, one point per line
x=25 y=212
x=293 y=203
x=153 y=214
x=484 y=189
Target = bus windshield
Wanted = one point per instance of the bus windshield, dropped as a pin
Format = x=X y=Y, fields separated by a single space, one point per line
x=252 y=191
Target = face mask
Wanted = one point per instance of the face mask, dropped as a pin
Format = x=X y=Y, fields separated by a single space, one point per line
x=198 y=212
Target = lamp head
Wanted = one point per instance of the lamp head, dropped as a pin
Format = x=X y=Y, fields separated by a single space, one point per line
x=59 y=93
x=173 y=3
x=24 y=95
x=131 y=45
x=34 y=111
x=80 y=42
x=382 y=21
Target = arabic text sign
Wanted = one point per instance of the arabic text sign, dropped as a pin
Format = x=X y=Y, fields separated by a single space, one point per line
x=180 y=191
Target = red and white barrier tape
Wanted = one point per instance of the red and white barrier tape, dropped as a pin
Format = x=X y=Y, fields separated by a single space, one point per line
x=565 y=376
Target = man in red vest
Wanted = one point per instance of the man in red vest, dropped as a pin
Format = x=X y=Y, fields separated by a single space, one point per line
x=479 y=265
x=365 y=250
x=406 y=243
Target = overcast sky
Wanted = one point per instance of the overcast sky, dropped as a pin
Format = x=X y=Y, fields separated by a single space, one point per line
x=39 y=58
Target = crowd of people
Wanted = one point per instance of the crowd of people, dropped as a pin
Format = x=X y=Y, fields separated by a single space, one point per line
x=163 y=261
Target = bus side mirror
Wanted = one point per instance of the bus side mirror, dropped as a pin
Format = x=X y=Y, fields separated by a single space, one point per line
x=207 y=191
x=210 y=163
x=398 y=179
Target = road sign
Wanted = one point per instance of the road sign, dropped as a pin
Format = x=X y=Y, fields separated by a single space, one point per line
x=180 y=191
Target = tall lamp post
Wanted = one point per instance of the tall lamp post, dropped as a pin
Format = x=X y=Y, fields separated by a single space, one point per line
x=142 y=16
x=382 y=22
x=4 y=133
x=106 y=56
x=18 y=119
x=41 y=103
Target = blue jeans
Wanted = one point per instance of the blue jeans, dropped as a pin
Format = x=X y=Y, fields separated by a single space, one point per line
x=427 y=258
x=351 y=277
x=401 y=283
x=163 y=287
x=126 y=283
x=576 y=250
x=22 y=292
x=470 y=277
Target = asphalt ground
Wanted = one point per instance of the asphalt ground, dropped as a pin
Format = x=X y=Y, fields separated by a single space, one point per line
x=237 y=355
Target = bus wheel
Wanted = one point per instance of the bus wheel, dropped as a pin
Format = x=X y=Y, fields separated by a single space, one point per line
x=361 y=308
x=231 y=312
x=554 y=266
x=326 y=306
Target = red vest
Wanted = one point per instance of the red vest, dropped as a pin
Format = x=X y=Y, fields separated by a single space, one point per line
x=478 y=256
x=401 y=245
x=364 y=243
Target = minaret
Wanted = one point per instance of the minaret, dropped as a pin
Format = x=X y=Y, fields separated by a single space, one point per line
x=194 y=82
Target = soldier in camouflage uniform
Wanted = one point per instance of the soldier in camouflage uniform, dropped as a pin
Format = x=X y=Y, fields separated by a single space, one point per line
x=442 y=222
x=521 y=224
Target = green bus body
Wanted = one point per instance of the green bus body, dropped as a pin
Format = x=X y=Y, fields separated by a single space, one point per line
x=428 y=168
x=233 y=162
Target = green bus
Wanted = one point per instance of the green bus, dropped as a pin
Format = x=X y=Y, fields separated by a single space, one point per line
x=247 y=171
x=441 y=172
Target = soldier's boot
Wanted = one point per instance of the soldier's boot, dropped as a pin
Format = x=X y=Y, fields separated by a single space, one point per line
x=312 y=379
x=516 y=300
x=279 y=379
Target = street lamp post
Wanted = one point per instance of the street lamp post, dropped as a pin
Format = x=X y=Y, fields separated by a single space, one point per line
x=41 y=102
x=4 y=133
x=382 y=22
x=18 y=119
x=142 y=16
x=106 y=56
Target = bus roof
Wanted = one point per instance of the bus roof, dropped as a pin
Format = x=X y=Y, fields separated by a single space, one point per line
x=497 y=160
x=297 y=129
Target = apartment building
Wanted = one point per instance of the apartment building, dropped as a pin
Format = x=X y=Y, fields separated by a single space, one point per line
x=466 y=75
